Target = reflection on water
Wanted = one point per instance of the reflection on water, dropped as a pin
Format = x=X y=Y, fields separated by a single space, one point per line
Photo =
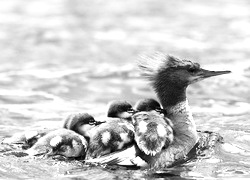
x=60 y=57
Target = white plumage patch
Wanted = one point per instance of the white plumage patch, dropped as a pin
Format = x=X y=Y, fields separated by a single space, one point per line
x=124 y=115
x=142 y=127
x=106 y=137
x=55 y=141
x=84 y=142
x=125 y=139
x=161 y=130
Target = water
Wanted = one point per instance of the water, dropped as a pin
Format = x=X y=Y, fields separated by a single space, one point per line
x=60 y=57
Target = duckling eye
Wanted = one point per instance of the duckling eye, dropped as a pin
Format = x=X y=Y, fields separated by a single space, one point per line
x=91 y=122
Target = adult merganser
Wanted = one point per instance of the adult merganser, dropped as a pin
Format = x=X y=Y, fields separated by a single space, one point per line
x=60 y=142
x=170 y=76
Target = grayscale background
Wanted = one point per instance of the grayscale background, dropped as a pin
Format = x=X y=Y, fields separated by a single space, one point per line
x=65 y=56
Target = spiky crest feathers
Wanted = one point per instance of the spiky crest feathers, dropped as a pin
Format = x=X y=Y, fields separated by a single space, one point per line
x=150 y=65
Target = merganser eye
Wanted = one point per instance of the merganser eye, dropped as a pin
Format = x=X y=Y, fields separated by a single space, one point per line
x=192 y=70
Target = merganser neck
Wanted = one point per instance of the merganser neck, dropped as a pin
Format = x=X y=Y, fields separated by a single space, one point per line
x=174 y=101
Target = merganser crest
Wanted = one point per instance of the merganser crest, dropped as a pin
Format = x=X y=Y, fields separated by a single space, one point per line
x=152 y=64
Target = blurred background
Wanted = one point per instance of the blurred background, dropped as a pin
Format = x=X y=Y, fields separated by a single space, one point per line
x=64 y=56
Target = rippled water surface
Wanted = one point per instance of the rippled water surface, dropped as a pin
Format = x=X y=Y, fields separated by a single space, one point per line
x=60 y=57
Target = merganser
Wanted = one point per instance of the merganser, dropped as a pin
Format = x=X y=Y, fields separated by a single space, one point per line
x=169 y=77
x=60 y=142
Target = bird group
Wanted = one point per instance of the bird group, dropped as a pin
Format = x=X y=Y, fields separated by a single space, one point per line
x=149 y=134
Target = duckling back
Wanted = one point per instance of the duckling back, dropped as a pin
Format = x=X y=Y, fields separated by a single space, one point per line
x=111 y=136
x=152 y=133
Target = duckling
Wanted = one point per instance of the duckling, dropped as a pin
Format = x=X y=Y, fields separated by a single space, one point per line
x=60 y=142
x=25 y=139
x=153 y=131
x=170 y=76
x=148 y=104
x=116 y=133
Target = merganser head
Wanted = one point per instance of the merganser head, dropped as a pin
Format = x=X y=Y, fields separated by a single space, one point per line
x=170 y=76
x=60 y=142
x=81 y=123
x=173 y=70
x=120 y=109
x=148 y=105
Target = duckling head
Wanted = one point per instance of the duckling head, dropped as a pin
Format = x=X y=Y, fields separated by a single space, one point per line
x=81 y=123
x=148 y=105
x=120 y=109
